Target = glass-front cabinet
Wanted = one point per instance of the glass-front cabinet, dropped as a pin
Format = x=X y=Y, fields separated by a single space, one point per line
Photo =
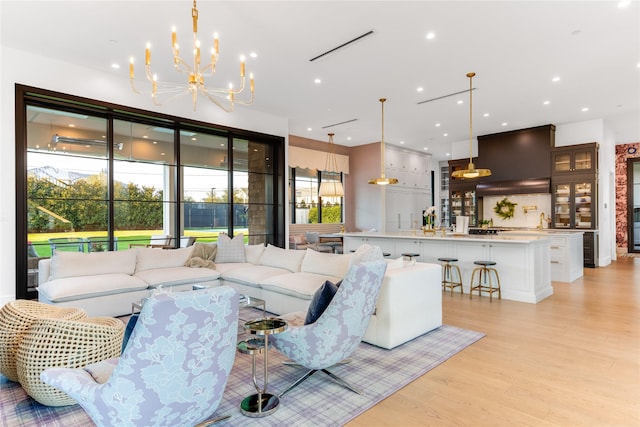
x=572 y=159
x=464 y=202
x=574 y=204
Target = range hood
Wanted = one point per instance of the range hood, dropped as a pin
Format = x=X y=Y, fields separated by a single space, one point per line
x=521 y=186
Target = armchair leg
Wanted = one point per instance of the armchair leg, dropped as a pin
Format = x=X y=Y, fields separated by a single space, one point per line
x=212 y=421
x=342 y=382
x=298 y=382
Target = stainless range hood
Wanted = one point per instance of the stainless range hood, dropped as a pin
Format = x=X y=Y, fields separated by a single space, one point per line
x=522 y=186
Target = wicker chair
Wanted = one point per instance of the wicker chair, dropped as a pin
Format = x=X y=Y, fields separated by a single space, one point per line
x=15 y=318
x=51 y=343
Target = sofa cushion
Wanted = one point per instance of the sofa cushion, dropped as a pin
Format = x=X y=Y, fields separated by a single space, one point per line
x=177 y=276
x=320 y=301
x=253 y=253
x=230 y=250
x=253 y=275
x=224 y=268
x=75 y=288
x=72 y=264
x=325 y=263
x=289 y=259
x=154 y=258
x=300 y=285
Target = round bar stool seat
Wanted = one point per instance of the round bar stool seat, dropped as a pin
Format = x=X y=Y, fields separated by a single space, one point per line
x=486 y=276
x=451 y=276
x=410 y=255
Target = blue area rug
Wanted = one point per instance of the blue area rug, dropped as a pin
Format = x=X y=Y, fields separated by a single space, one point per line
x=317 y=402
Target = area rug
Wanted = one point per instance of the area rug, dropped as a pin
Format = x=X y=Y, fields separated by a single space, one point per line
x=316 y=402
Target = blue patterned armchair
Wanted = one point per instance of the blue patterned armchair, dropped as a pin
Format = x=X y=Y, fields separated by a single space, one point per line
x=173 y=370
x=335 y=335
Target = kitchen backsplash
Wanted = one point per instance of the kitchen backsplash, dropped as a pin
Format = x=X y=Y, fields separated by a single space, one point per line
x=526 y=212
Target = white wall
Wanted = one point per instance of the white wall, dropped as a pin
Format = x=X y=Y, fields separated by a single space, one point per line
x=113 y=87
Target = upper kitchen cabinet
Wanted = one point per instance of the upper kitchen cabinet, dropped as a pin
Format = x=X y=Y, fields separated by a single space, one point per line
x=412 y=169
x=582 y=158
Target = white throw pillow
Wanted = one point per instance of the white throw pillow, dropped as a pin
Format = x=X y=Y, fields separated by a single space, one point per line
x=289 y=259
x=253 y=253
x=73 y=264
x=230 y=250
x=366 y=253
x=153 y=258
x=325 y=263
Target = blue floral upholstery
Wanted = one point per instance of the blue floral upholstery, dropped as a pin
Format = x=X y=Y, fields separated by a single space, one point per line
x=338 y=331
x=174 y=369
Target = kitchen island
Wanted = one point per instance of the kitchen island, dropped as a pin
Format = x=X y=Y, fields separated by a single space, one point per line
x=523 y=262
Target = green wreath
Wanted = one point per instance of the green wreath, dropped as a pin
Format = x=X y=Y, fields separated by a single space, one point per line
x=505 y=209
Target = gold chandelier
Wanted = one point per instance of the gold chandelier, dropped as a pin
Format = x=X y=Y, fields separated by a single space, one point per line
x=383 y=180
x=471 y=171
x=331 y=188
x=224 y=98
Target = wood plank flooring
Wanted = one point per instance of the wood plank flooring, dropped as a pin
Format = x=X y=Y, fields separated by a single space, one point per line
x=570 y=360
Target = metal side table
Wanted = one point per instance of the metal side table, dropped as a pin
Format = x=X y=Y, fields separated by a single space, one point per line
x=262 y=403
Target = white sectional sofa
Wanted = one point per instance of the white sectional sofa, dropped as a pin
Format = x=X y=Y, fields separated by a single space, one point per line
x=106 y=283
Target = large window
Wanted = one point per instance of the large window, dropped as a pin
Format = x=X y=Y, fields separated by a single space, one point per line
x=103 y=178
x=306 y=206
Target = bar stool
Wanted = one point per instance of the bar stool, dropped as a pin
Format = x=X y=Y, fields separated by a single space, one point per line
x=485 y=271
x=448 y=279
x=410 y=255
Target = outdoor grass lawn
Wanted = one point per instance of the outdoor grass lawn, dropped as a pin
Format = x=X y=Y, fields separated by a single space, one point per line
x=40 y=241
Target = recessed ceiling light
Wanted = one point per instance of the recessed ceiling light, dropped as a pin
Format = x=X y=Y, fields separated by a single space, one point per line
x=447 y=154
x=155 y=142
x=317 y=81
x=116 y=66
x=504 y=123
x=546 y=103
x=222 y=144
x=437 y=125
x=431 y=36
x=445 y=134
x=194 y=139
x=71 y=125
x=162 y=154
x=420 y=89
x=348 y=138
x=145 y=136
x=486 y=114
x=585 y=109
x=253 y=55
x=401 y=142
x=309 y=129
x=460 y=102
x=425 y=148
x=555 y=79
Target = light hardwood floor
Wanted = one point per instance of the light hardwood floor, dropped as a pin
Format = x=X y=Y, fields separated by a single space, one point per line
x=570 y=360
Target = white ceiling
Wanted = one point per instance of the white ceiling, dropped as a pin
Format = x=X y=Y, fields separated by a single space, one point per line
x=515 y=47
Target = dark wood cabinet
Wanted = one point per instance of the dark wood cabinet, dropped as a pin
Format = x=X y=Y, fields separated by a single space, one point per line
x=574 y=194
x=569 y=160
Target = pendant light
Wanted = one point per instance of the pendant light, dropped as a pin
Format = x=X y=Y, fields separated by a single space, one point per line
x=471 y=171
x=331 y=188
x=383 y=180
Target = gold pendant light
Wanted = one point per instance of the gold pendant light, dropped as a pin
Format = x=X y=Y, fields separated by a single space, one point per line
x=331 y=188
x=383 y=180
x=470 y=171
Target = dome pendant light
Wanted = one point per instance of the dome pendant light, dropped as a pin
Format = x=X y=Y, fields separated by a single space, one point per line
x=383 y=180
x=471 y=171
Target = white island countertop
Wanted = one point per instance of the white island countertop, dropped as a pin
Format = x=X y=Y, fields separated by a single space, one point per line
x=523 y=261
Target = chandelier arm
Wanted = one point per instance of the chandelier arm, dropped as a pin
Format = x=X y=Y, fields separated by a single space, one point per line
x=215 y=101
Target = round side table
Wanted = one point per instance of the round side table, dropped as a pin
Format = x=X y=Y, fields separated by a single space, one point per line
x=262 y=403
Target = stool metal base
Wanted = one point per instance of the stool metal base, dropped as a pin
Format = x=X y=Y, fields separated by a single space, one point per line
x=481 y=286
x=259 y=405
x=448 y=279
